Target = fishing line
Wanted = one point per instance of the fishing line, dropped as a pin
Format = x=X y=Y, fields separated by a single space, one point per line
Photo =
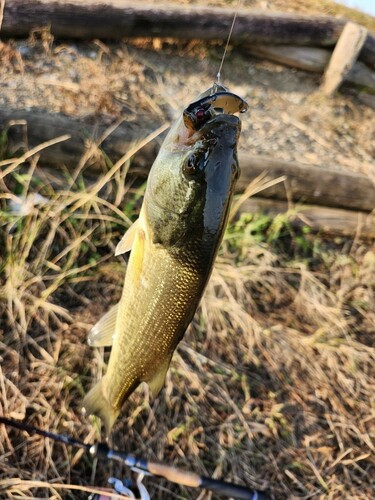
x=218 y=76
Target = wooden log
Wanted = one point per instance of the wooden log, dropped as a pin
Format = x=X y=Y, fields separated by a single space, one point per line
x=322 y=219
x=307 y=58
x=343 y=57
x=27 y=129
x=368 y=99
x=309 y=183
x=114 y=20
x=313 y=59
x=306 y=183
x=361 y=75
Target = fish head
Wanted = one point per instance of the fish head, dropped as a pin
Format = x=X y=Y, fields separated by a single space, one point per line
x=191 y=182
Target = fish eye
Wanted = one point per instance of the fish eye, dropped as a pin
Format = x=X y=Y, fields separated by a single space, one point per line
x=200 y=114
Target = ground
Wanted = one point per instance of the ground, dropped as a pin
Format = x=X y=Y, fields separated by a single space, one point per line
x=272 y=385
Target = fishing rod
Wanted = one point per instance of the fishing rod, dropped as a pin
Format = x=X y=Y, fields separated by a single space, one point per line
x=143 y=466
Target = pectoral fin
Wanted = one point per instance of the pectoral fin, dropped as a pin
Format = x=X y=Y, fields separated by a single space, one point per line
x=102 y=333
x=157 y=381
x=126 y=242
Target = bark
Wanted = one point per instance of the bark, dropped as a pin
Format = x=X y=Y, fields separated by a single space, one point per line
x=312 y=59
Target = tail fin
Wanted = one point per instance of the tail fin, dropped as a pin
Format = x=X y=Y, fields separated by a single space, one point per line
x=95 y=403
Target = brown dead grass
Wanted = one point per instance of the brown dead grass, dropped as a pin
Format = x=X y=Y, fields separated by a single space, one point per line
x=272 y=385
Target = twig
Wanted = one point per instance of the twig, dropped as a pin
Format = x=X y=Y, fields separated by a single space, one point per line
x=15 y=162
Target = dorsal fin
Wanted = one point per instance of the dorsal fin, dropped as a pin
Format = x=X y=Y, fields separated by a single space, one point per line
x=102 y=333
x=126 y=242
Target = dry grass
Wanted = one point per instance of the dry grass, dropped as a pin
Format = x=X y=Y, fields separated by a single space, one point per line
x=272 y=385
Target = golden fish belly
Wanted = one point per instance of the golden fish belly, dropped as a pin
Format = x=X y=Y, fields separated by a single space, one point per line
x=159 y=300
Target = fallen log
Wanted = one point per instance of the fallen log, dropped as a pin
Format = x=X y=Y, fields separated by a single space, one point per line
x=312 y=59
x=27 y=129
x=323 y=219
x=305 y=183
x=368 y=99
x=114 y=20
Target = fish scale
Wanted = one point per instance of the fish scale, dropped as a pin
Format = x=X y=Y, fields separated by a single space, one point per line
x=173 y=247
x=158 y=320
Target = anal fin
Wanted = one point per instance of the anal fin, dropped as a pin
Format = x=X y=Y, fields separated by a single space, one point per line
x=156 y=382
x=95 y=403
x=102 y=333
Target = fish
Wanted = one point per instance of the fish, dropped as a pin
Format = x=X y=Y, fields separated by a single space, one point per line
x=173 y=245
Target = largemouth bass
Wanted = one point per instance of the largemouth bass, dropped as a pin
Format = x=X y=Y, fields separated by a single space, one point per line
x=173 y=246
